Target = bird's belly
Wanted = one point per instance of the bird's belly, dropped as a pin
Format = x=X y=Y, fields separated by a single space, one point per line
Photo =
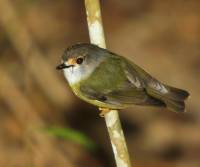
x=97 y=103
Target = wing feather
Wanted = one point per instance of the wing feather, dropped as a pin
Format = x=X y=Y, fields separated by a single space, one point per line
x=129 y=89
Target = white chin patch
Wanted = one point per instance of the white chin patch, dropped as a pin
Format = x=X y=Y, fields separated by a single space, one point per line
x=73 y=74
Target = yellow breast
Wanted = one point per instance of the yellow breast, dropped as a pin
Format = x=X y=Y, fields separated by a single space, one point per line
x=77 y=92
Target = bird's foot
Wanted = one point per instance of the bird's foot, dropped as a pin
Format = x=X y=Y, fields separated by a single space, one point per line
x=103 y=111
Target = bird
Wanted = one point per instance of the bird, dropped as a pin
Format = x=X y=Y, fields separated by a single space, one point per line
x=113 y=82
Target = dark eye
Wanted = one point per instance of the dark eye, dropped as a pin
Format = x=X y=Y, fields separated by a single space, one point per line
x=79 y=60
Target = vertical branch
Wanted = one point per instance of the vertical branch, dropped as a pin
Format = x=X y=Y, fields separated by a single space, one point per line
x=94 y=21
x=112 y=118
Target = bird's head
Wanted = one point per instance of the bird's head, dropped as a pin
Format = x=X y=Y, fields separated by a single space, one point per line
x=80 y=60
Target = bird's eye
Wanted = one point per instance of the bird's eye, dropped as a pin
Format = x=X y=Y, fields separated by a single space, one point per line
x=79 y=60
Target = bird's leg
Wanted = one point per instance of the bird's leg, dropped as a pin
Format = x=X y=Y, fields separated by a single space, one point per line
x=103 y=111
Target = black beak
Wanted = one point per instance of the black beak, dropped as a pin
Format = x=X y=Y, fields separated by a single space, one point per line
x=62 y=66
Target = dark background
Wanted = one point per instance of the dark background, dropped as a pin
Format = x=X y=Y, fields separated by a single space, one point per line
x=162 y=36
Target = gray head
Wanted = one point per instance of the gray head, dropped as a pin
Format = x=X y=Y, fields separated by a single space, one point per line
x=80 y=60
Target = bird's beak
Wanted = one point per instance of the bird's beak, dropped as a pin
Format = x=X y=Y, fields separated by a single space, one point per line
x=62 y=66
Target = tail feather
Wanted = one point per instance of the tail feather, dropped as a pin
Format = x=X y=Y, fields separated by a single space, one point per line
x=176 y=106
x=177 y=94
x=174 y=98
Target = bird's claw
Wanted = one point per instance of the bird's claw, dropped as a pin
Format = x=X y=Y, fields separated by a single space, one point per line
x=103 y=111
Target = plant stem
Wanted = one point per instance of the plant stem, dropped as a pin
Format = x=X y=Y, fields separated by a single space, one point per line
x=112 y=118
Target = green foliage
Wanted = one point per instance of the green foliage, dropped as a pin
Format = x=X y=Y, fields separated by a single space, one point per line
x=72 y=135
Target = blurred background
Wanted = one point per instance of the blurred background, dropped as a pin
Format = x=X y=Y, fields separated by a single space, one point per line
x=42 y=124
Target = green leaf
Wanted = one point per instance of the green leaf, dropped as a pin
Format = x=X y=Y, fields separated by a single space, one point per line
x=72 y=135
